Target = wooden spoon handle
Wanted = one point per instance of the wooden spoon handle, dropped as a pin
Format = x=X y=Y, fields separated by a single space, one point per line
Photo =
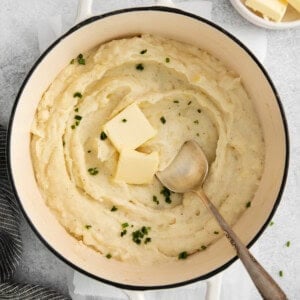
x=265 y=284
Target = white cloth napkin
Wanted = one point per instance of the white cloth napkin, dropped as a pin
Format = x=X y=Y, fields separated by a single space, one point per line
x=82 y=287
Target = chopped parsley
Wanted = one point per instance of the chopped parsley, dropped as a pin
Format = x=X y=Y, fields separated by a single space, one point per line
x=77 y=123
x=271 y=223
x=114 y=208
x=203 y=247
x=108 y=256
x=190 y=102
x=199 y=111
x=124 y=120
x=123 y=232
x=216 y=232
x=167 y=194
x=248 y=204
x=124 y=225
x=167 y=59
x=288 y=243
x=280 y=273
x=76 y=109
x=139 y=67
x=93 y=171
x=80 y=59
x=143 y=51
x=77 y=117
x=138 y=235
x=103 y=136
x=78 y=95
x=163 y=119
x=183 y=255
x=196 y=122
x=73 y=126
x=176 y=101
x=154 y=199
x=88 y=226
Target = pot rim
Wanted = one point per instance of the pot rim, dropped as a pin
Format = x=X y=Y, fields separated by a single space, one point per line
x=117 y=12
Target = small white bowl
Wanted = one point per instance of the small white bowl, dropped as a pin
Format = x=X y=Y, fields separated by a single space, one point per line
x=290 y=20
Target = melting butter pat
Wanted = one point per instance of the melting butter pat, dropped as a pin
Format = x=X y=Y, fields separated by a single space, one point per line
x=272 y=9
x=136 y=167
x=129 y=129
x=295 y=4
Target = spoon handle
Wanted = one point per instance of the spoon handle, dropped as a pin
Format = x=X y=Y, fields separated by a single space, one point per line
x=265 y=284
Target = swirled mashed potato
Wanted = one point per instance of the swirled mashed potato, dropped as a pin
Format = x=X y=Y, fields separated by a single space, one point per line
x=185 y=93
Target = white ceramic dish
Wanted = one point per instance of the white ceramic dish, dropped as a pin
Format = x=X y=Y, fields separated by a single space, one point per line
x=290 y=20
x=193 y=30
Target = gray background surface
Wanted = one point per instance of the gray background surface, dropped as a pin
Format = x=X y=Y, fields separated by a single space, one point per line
x=18 y=52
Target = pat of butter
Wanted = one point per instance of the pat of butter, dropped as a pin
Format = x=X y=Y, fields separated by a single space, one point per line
x=295 y=4
x=105 y=150
x=273 y=9
x=136 y=167
x=129 y=129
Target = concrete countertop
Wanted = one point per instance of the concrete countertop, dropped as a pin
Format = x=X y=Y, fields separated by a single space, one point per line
x=19 y=50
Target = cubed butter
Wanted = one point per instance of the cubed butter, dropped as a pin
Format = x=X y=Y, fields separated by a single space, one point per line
x=136 y=167
x=273 y=9
x=105 y=150
x=295 y=4
x=129 y=129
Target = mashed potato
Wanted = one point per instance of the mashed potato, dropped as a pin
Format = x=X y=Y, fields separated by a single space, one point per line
x=185 y=93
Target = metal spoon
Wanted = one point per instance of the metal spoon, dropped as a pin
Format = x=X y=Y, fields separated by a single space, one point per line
x=187 y=173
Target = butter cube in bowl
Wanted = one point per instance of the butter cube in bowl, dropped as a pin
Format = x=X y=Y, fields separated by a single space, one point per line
x=271 y=14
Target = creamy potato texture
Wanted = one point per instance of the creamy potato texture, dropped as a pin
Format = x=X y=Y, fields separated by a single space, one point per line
x=185 y=93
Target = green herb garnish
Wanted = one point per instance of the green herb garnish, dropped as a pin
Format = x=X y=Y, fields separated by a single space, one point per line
x=93 y=171
x=196 y=122
x=163 y=120
x=72 y=61
x=78 y=95
x=77 y=117
x=64 y=143
x=124 y=120
x=271 y=223
x=76 y=109
x=216 y=232
x=288 y=243
x=280 y=273
x=199 y=111
x=167 y=59
x=143 y=51
x=80 y=59
x=103 y=136
x=183 y=255
x=88 y=226
x=197 y=134
x=248 y=204
x=138 y=235
x=189 y=103
x=124 y=225
x=114 y=208
x=154 y=198
x=73 y=126
x=89 y=151
x=147 y=240
x=139 y=67
x=123 y=232
x=167 y=194
x=108 y=255
x=176 y=101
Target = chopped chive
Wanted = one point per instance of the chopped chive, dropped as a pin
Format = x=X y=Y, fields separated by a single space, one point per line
x=189 y=103
x=216 y=232
x=123 y=232
x=196 y=122
x=167 y=59
x=271 y=223
x=93 y=171
x=103 y=136
x=163 y=120
x=154 y=198
x=248 y=204
x=114 y=208
x=108 y=256
x=124 y=120
x=77 y=117
x=280 y=273
x=139 y=67
x=124 y=225
x=167 y=194
x=73 y=126
x=147 y=240
x=80 y=59
x=183 y=255
x=288 y=243
x=88 y=226
x=199 y=111
x=143 y=51
x=203 y=247
x=76 y=109
x=77 y=123
x=78 y=95
x=176 y=101
x=72 y=61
